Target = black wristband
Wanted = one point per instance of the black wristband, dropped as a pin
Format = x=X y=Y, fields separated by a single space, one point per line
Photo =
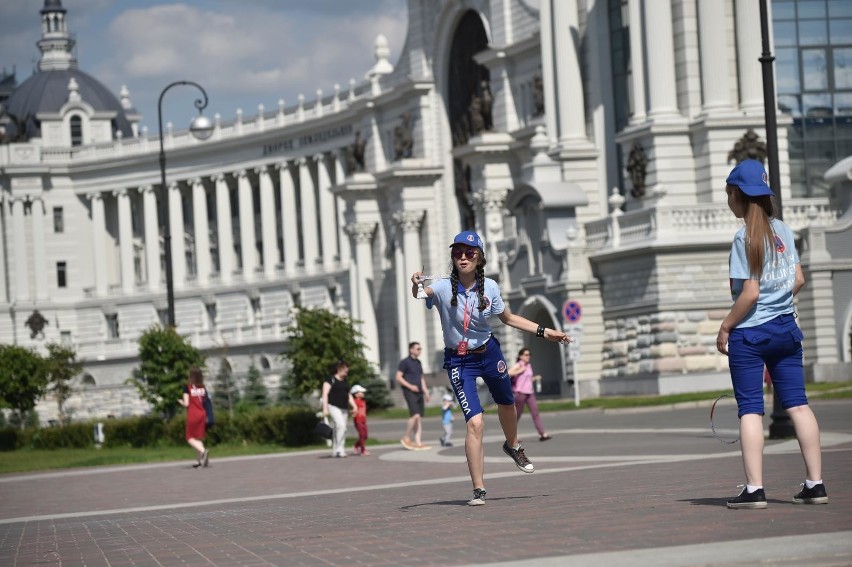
x=540 y=332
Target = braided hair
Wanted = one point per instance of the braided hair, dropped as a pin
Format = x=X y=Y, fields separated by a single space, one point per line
x=480 y=281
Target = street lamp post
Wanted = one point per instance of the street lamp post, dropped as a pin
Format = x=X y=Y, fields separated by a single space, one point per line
x=201 y=128
x=781 y=426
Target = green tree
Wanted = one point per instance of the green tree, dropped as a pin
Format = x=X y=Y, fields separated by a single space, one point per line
x=225 y=393
x=255 y=392
x=62 y=367
x=165 y=359
x=23 y=379
x=318 y=339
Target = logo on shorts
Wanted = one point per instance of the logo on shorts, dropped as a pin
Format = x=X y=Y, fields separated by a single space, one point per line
x=501 y=366
x=779 y=244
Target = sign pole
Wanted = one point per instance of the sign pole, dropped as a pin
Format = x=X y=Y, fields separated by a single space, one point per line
x=576 y=383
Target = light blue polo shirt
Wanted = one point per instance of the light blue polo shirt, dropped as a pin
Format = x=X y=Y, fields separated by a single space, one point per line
x=452 y=318
x=779 y=275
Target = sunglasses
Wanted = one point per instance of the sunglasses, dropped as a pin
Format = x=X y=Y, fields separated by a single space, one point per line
x=469 y=254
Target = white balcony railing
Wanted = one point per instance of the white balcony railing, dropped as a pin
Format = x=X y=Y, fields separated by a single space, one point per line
x=692 y=223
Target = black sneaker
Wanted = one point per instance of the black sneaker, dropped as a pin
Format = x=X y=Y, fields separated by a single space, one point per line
x=478 y=497
x=815 y=495
x=205 y=459
x=748 y=500
x=519 y=457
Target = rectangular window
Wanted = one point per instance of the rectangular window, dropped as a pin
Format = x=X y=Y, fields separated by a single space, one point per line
x=843 y=66
x=58 y=220
x=787 y=68
x=813 y=32
x=65 y=337
x=61 y=274
x=163 y=316
x=814 y=70
x=112 y=326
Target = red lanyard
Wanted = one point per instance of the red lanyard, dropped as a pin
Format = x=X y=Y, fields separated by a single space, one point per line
x=467 y=315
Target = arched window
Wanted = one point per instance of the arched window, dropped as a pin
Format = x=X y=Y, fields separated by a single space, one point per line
x=87 y=380
x=76 y=124
x=264 y=363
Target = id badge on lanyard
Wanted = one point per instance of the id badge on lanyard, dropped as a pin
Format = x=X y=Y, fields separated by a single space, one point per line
x=462 y=348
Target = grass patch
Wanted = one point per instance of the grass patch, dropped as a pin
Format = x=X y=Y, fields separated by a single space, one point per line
x=42 y=459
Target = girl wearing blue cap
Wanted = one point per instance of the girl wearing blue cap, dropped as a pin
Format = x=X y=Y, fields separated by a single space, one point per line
x=761 y=330
x=464 y=303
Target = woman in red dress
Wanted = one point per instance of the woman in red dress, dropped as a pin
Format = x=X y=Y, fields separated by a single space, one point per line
x=196 y=418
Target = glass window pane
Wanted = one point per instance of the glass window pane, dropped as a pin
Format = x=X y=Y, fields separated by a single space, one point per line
x=787 y=69
x=836 y=8
x=813 y=32
x=784 y=10
x=841 y=30
x=789 y=104
x=784 y=33
x=810 y=8
x=818 y=105
x=814 y=69
x=842 y=68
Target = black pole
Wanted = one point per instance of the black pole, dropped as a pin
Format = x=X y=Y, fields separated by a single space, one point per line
x=164 y=199
x=781 y=426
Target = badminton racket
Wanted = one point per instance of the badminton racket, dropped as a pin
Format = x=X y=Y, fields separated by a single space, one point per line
x=724 y=420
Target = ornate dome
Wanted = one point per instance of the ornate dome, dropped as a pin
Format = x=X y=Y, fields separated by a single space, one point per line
x=47 y=91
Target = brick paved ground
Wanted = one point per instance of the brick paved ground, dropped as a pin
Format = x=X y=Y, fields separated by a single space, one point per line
x=601 y=487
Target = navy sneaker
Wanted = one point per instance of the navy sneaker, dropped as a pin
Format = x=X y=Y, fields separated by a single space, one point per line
x=519 y=457
x=748 y=500
x=815 y=495
x=478 y=497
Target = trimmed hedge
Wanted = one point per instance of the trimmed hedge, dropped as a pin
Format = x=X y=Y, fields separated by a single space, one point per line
x=8 y=439
x=288 y=426
x=70 y=436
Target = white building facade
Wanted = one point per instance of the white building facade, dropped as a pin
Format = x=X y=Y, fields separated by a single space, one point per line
x=587 y=141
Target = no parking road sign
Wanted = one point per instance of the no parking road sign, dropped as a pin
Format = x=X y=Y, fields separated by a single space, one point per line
x=572 y=311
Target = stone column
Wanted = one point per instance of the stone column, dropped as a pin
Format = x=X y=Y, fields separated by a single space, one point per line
x=152 y=237
x=125 y=241
x=409 y=224
x=328 y=219
x=749 y=48
x=99 y=243
x=178 y=242
x=19 y=247
x=548 y=77
x=659 y=41
x=267 y=221
x=309 y=215
x=637 y=59
x=201 y=232
x=569 y=81
x=345 y=251
x=5 y=204
x=39 y=258
x=290 y=226
x=224 y=229
x=362 y=233
x=715 y=85
x=247 y=235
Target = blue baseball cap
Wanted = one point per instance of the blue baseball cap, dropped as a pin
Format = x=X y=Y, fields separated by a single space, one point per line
x=468 y=238
x=751 y=178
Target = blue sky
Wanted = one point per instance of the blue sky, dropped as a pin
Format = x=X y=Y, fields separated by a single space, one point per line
x=244 y=52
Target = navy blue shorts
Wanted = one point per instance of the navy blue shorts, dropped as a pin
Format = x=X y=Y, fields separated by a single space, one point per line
x=776 y=344
x=464 y=370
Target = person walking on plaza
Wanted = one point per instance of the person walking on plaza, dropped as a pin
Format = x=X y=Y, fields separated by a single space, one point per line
x=522 y=377
x=761 y=329
x=336 y=400
x=464 y=302
x=360 y=419
x=409 y=376
x=196 y=417
x=447 y=420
